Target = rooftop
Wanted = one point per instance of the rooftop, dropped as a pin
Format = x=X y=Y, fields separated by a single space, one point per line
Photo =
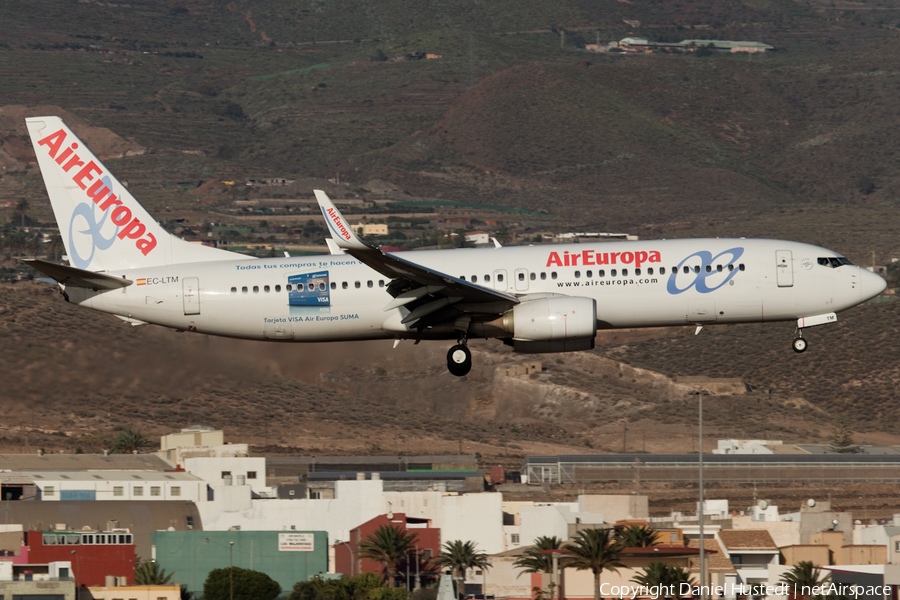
x=737 y=540
x=82 y=462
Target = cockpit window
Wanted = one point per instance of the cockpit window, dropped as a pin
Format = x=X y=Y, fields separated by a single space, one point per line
x=833 y=262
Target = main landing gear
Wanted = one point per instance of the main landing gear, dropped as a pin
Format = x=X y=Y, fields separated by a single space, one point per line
x=459 y=359
x=799 y=344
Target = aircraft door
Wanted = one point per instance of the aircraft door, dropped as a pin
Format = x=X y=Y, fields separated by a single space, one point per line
x=191 y=294
x=784 y=268
x=500 y=282
x=521 y=280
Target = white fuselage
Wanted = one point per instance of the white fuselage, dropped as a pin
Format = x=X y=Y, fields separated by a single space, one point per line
x=635 y=284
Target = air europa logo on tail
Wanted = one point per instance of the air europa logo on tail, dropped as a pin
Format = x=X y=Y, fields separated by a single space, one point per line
x=339 y=223
x=590 y=257
x=98 y=188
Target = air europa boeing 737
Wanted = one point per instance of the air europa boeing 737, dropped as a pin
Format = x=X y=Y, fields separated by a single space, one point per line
x=534 y=298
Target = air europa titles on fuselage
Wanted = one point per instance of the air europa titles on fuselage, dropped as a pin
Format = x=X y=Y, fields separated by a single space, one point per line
x=592 y=257
x=99 y=192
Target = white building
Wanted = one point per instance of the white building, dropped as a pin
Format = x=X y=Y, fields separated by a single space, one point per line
x=746 y=446
x=118 y=485
x=234 y=471
x=198 y=441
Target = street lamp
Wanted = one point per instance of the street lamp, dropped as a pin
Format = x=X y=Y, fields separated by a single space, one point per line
x=77 y=564
x=700 y=395
x=231 y=570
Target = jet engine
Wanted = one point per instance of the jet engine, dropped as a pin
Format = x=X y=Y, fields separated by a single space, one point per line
x=554 y=324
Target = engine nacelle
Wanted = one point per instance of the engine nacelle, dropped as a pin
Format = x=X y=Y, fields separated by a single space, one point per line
x=555 y=324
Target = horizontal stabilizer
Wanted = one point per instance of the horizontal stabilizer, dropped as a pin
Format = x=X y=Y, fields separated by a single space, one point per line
x=71 y=276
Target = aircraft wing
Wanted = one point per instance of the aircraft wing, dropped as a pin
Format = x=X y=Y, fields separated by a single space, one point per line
x=67 y=275
x=428 y=292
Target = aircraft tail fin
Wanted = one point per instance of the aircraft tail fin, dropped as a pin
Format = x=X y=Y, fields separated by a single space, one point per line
x=103 y=227
x=341 y=231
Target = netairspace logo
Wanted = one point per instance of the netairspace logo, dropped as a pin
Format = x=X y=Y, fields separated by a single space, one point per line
x=737 y=589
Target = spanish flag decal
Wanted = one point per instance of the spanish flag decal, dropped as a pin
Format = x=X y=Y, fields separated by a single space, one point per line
x=142 y=282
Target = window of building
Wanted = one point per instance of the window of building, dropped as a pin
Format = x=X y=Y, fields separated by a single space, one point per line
x=154 y=490
x=896 y=546
x=138 y=491
x=514 y=538
x=176 y=490
x=315 y=495
x=225 y=474
x=118 y=490
x=251 y=474
x=49 y=490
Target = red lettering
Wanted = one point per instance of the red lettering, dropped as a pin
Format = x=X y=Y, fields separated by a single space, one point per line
x=86 y=172
x=587 y=258
x=575 y=258
x=120 y=216
x=554 y=260
x=613 y=256
x=602 y=259
x=62 y=157
x=53 y=142
x=639 y=257
x=654 y=256
x=111 y=201
x=75 y=161
x=627 y=257
x=98 y=191
x=145 y=246
x=134 y=230
x=566 y=258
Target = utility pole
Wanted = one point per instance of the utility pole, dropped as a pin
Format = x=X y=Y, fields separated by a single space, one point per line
x=231 y=570
x=701 y=511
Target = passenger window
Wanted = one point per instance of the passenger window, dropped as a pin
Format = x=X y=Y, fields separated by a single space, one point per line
x=321 y=286
x=310 y=286
x=344 y=285
x=741 y=266
x=543 y=276
x=277 y=288
x=533 y=276
x=552 y=274
x=357 y=285
x=463 y=277
x=234 y=290
x=255 y=289
x=588 y=274
x=662 y=270
x=487 y=277
x=719 y=268
x=709 y=268
x=577 y=274
x=649 y=271
x=612 y=272
x=687 y=269
x=288 y=287
x=381 y=283
x=637 y=271
x=333 y=286
x=369 y=283
x=500 y=277
x=731 y=267
x=244 y=290
x=624 y=272
x=474 y=278
x=521 y=276
x=601 y=273
x=266 y=289
x=697 y=269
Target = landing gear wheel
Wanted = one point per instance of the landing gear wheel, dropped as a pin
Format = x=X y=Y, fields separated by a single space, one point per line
x=459 y=360
x=799 y=345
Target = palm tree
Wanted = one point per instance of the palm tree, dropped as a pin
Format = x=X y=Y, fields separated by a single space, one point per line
x=804 y=575
x=129 y=441
x=460 y=556
x=148 y=572
x=389 y=546
x=595 y=550
x=637 y=536
x=533 y=560
x=661 y=574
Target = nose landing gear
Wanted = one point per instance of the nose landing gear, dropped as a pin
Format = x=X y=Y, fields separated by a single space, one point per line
x=459 y=359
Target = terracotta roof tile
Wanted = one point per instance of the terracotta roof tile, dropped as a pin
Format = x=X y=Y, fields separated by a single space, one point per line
x=736 y=540
x=715 y=563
